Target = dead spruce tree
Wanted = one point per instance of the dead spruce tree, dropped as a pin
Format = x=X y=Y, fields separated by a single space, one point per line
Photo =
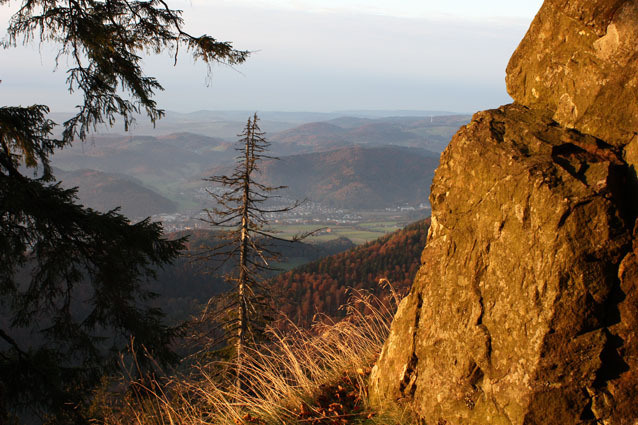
x=247 y=242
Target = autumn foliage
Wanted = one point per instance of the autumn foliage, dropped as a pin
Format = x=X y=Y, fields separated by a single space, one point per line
x=321 y=287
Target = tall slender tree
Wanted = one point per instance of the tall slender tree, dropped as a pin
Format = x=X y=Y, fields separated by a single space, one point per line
x=72 y=280
x=242 y=209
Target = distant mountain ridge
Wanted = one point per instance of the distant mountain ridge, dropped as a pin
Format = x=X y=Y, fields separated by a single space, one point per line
x=354 y=177
x=174 y=164
x=227 y=124
x=164 y=163
x=432 y=133
x=106 y=191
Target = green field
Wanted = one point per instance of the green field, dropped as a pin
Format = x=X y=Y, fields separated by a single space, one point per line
x=359 y=233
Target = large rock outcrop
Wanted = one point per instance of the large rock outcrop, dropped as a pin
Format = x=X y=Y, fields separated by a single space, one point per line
x=525 y=310
x=579 y=60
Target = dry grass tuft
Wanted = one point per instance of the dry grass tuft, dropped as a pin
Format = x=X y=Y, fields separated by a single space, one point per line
x=316 y=376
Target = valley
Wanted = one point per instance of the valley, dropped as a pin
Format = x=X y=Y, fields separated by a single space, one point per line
x=361 y=174
x=312 y=278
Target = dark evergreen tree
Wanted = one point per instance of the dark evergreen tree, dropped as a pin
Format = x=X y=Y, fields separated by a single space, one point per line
x=72 y=280
x=243 y=209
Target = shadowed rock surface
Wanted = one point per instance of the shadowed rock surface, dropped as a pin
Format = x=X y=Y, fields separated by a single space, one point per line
x=525 y=310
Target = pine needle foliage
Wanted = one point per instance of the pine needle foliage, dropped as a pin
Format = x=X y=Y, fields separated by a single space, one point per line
x=72 y=280
x=104 y=41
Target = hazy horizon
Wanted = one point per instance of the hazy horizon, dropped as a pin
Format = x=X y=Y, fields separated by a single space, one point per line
x=380 y=113
x=312 y=56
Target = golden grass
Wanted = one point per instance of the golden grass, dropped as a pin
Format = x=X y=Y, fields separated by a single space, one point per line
x=283 y=379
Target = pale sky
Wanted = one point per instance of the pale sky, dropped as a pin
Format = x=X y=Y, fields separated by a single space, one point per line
x=318 y=55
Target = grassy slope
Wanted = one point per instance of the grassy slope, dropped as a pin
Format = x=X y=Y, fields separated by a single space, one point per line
x=305 y=376
x=314 y=377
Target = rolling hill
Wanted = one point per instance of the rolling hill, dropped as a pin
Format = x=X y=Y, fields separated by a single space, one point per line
x=310 y=137
x=432 y=133
x=165 y=164
x=356 y=178
x=105 y=191
x=351 y=162
x=321 y=286
x=173 y=154
x=185 y=286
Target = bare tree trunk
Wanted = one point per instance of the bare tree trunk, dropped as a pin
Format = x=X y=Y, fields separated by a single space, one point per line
x=242 y=325
x=242 y=208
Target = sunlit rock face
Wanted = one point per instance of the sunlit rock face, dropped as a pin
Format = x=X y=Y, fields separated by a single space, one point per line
x=525 y=310
x=579 y=60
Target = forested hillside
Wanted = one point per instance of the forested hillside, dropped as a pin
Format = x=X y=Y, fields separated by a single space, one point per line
x=432 y=133
x=106 y=191
x=320 y=286
x=185 y=286
x=355 y=178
